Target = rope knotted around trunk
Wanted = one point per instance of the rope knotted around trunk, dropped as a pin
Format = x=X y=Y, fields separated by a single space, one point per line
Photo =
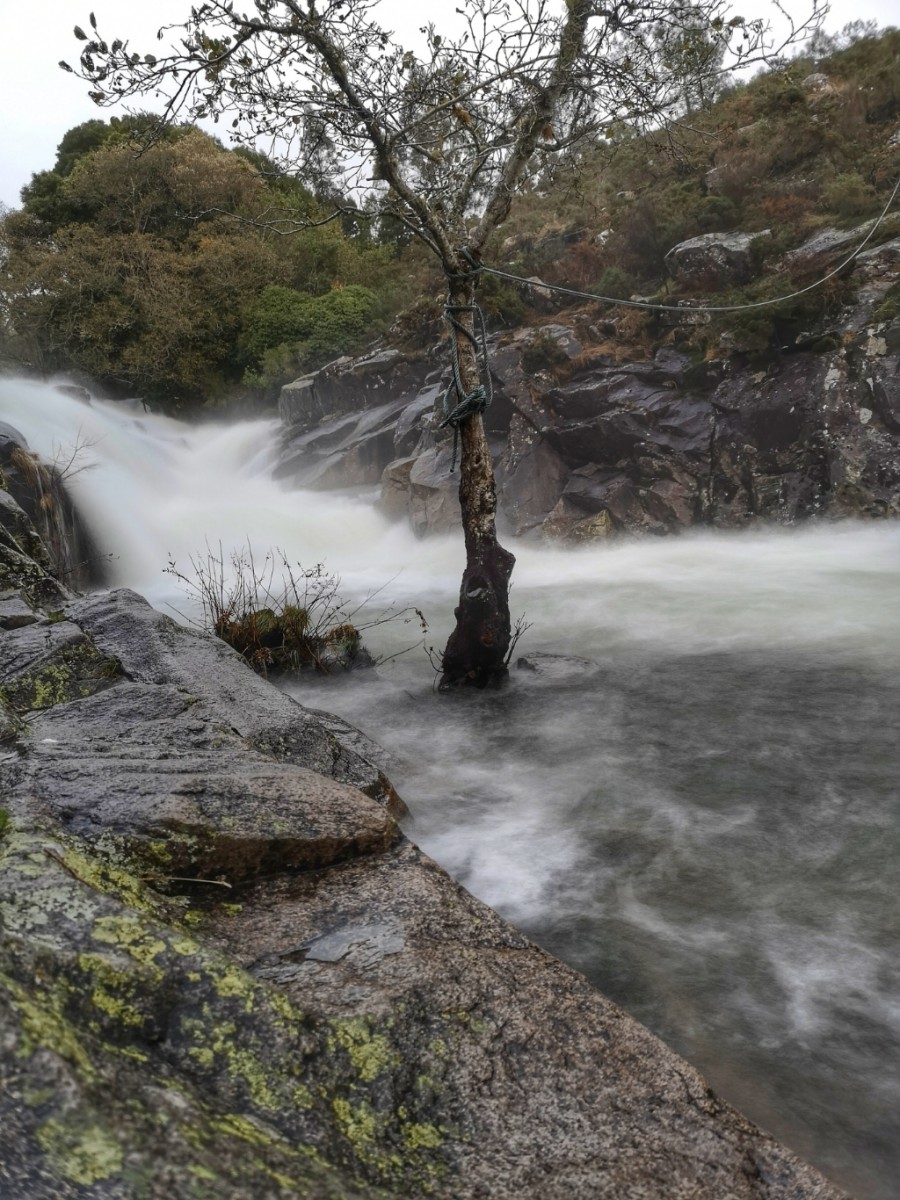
x=476 y=401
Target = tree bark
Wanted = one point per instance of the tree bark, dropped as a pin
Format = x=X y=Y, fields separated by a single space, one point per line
x=475 y=654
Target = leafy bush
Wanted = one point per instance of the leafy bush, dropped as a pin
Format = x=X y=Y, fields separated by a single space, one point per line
x=889 y=308
x=304 y=330
x=849 y=195
x=716 y=214
x=501 y=304
x=614 y=282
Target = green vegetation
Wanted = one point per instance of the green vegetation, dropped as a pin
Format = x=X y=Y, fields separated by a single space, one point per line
x=161 y=273
x=795 y=150
x=281 y=618
x=889 y=308
x=288 y=332
x=153 y=269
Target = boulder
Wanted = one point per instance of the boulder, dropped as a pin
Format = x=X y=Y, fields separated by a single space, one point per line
x=15 y=611
x=811 y=438
x=434 y=493
x=37 y=512
x=530 y=478
x=347 y=451
x=818 y=87
x=714 y=259
x=657 y=443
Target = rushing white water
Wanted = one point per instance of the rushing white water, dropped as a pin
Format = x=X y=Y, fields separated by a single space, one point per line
x=705 y=822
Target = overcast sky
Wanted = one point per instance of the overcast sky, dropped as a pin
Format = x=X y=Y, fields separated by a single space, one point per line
x=39 y=102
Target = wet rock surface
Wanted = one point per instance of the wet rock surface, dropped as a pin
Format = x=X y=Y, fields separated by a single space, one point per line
x=224 y=971
x=587 y=444
x=37 y=512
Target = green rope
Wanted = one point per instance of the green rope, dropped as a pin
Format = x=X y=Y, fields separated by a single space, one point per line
x=476 y=401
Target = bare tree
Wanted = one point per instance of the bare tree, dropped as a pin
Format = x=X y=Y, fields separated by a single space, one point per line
x=442 y=134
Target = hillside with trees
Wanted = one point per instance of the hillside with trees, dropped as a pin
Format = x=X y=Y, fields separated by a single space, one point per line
x=151 y=269
x=165 y=274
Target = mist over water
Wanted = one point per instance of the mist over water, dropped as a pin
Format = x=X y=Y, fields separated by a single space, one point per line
x=703 y=817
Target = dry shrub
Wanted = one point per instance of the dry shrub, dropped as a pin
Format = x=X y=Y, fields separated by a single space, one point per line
x=790 y=210
x=742 y=171
x=580 y=266
x=280 y=617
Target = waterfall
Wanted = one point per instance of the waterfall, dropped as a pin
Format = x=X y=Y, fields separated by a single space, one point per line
x=698 y=809
x=152 y=489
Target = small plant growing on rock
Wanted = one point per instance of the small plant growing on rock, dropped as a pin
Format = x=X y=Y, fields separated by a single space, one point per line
x=282 y=618
x=543 y=353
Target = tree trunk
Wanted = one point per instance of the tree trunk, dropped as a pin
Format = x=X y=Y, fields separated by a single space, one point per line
x=476 y=651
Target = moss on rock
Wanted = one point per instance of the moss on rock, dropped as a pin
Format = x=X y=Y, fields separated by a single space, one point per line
x=75 y=671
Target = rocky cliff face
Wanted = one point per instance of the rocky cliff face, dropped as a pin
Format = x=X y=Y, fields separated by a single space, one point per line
x=38 y=514
x=224 y=971
x=595 y=433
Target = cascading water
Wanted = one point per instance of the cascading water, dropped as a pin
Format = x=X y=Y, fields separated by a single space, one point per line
x=702 y=817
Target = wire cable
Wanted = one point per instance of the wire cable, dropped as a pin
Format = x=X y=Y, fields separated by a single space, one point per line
x=687 y=306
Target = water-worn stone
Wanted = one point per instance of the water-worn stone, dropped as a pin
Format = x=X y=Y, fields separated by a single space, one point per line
x=152 y=648
x=348 y=451
x=15 y=612
x=223 y=974
x=349 y=385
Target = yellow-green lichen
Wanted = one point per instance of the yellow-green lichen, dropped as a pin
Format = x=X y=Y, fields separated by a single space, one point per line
x=283 y=1008
x=232 y=981
x=202 y=1173
x=105 y=876
x=116 y=1008
x=242 y=1127
x=356 y=1123
x=204 y=1055
x=113 y=990
x=43 y=1024
x=79 y=670
x=129 y=933
x=83 y=1154
x=219 y=1041
x=370 y=1053
x=302 y=1097
x=421 y=1137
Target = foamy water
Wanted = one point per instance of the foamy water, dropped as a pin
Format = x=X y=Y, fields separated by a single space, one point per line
x=705 y=822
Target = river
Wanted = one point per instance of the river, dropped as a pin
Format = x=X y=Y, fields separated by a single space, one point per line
x=699 y=810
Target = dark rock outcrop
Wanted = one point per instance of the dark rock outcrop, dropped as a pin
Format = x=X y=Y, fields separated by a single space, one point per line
x=224 y=971
x=588 y=444
x=37 y=512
